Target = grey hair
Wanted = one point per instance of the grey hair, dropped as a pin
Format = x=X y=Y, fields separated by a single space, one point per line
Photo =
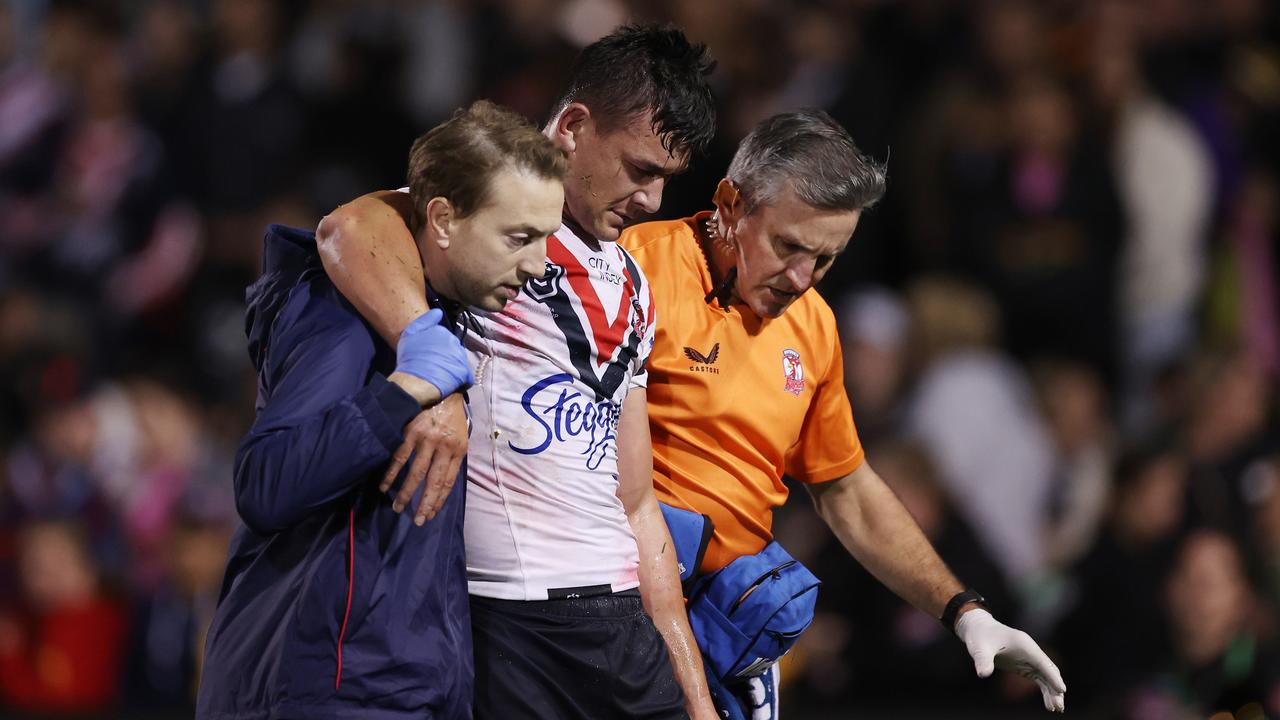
x=812 y=152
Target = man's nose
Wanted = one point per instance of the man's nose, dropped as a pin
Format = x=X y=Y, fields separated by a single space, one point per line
x=533 y=263
x=800 y=274
x=649 y=197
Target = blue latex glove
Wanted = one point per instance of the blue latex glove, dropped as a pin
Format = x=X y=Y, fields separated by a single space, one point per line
x=428 y=350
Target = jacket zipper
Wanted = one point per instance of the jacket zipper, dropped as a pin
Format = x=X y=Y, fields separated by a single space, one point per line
x=351 y=578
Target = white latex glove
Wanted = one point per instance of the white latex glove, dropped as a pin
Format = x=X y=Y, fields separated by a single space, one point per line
x=993 y=644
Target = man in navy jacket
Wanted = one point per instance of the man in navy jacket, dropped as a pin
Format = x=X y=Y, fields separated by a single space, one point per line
x=333 y=604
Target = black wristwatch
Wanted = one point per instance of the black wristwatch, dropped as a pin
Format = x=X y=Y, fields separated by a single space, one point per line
x=960 y=599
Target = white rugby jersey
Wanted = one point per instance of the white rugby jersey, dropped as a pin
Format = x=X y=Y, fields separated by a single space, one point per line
x=543 y=516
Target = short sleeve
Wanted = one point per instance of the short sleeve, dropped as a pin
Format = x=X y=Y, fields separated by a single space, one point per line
x=828 y=447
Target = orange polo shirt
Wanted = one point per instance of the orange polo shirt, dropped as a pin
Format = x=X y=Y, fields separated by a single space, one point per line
x=736 y=401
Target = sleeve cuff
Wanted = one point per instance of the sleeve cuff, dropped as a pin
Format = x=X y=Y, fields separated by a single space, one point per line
x=833 y=472
x=387 y=408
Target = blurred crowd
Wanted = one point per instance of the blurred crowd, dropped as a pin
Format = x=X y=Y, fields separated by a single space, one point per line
x=1061 y=328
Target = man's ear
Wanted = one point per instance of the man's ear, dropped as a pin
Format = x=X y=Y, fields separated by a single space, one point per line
x=729 y=202
x=441 y=217
x=568 y=127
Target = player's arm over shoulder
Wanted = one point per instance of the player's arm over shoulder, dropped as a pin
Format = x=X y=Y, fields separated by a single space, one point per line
x=370 y=254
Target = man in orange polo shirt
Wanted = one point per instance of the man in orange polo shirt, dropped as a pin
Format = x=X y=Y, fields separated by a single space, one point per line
x=746 y=380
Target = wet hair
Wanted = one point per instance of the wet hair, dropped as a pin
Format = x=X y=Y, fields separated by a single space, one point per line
x=457 y=159
x=641 y=69
x=815 y=155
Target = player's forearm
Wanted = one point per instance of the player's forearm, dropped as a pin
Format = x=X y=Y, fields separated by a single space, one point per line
x=660 y=591
x=659 y=576
x=879 y=532
x=369 y=253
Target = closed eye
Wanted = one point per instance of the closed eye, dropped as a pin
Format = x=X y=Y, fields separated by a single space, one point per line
x=789 y=248
x=637 y=175
x=642 y=172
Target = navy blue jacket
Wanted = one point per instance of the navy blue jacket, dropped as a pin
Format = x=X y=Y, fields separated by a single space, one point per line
x=333 y=605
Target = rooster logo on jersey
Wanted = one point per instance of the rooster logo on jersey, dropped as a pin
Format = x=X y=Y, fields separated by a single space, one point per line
x=792 y=372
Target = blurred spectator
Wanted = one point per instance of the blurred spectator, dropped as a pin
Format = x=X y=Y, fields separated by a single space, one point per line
x=47 y=356
x=874 y=329
x=242 y=129
x=820 y=43
x=439 y=71
x=35 y=107
x=1165 y=180
x=125 y=243
x=974 y=410
x=345 y=60
x=164 y=48
x=50 y=474
x=49 y=466
x=169 y=626
x=1221 y=661
x=156 y=440
x=526 y=54
x=1115 y=631
x=132 y=450
x=961 y=130
x=1074 y=404
x=1265 y=487
x=61 y=646
x=1229 y=427
x=1244 y=297
x=91 y=217
x=1043 y=233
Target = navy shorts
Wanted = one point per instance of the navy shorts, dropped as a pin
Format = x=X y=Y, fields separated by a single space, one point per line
x=590 y=658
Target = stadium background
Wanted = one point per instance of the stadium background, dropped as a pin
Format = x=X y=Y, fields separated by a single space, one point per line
x=1061 y=327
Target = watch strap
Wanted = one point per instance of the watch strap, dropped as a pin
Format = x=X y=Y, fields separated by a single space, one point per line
x=958 y=601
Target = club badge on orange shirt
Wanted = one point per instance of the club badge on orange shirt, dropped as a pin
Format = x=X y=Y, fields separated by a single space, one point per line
x=792 y=372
